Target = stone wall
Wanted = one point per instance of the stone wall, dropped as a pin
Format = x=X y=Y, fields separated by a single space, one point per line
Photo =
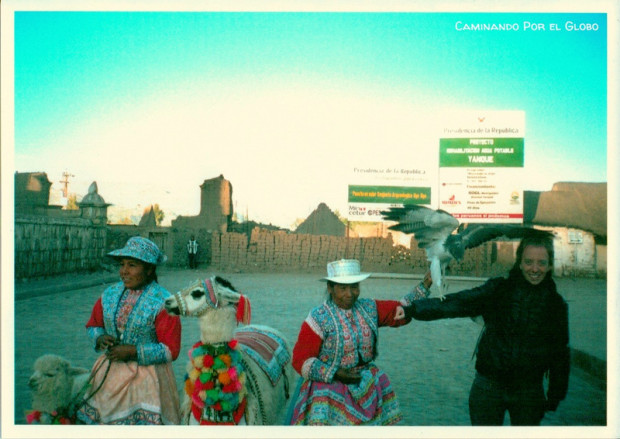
x=280 y=251
x=46 y=246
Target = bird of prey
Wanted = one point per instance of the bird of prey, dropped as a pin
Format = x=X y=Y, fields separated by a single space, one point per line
x=433 y=229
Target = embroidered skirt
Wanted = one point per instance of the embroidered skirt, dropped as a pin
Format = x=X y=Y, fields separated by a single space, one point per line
x=371 y=402
x=131 y=395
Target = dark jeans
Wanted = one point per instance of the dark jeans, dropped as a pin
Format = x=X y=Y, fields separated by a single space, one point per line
x=489 y=400
x=192 y=260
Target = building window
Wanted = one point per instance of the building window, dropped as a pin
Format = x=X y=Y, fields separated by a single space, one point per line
x=575 y=237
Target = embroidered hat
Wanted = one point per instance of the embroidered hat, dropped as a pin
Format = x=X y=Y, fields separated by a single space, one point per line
x=345 y=271
x=142 y=249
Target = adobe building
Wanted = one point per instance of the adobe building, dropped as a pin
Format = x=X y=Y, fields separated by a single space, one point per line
x=577 y=214
x=216 y=207
x=32 y=193
x=216 y=212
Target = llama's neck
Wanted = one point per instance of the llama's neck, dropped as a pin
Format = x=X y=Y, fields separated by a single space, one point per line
x=218 y=326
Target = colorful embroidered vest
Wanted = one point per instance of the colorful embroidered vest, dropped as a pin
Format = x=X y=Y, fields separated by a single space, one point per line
x=140 y=327
x=349 y=336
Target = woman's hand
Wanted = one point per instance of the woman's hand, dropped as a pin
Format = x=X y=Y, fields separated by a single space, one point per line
x=347 y=376
x=104 y=342
x=122 y=352
x=400 y=313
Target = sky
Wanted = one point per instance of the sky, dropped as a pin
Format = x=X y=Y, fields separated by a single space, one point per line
x=149 y=104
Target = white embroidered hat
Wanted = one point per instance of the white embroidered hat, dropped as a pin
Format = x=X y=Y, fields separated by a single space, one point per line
x=345 y=271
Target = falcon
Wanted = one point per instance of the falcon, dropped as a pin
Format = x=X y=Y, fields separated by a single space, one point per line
x=433 y=230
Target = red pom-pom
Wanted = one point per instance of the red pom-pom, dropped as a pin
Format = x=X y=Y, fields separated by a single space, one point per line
x=34 y=416
x=233 y=387
x=207 y=361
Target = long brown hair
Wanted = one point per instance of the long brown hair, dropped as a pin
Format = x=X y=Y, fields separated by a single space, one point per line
x=539 y=240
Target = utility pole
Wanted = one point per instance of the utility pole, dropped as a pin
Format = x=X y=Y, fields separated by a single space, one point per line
x=65 y=182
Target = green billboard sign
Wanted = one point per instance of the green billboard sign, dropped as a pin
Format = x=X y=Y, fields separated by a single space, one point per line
x=389 y=194
x=504 y=152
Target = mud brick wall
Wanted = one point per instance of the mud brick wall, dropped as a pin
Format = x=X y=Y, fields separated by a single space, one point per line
x=46 y=246
x=280 y=251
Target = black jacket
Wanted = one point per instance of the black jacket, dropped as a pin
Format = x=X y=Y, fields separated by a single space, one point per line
x=525 y=333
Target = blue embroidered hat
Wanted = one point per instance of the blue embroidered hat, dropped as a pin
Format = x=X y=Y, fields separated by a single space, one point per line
x=142 y=249
x=345 y=271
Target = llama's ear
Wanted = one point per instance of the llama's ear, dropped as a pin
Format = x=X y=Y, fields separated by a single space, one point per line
x=77 y=371
x=244 y=310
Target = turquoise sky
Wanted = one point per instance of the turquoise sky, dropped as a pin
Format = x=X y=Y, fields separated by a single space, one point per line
x=156 y=102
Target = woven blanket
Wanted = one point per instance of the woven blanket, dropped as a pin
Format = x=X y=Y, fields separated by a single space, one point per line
x=266 y=348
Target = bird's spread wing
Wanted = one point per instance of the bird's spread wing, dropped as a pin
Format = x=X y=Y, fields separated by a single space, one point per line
x=477 y=234
x=428 y=225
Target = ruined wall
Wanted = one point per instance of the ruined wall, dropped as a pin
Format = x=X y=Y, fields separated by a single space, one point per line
x=216 y=207
x=280 y=251
x=46 y=246
x=32 y=192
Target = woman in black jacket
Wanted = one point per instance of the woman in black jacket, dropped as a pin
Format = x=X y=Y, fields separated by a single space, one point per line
x=525 y=336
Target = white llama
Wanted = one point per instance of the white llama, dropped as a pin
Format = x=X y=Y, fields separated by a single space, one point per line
x=236 y=374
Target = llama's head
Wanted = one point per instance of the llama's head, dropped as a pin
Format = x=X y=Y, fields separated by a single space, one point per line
x=52 y=382
x=216 y=303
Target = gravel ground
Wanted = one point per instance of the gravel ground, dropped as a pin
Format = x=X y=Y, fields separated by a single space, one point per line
x=430 y=363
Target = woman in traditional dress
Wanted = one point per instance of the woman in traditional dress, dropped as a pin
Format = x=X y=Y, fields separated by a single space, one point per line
x=335 y=353
x=133 y=379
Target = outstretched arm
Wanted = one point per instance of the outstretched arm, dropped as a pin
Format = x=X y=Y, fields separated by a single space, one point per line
x=421 y=291
x=466 y=303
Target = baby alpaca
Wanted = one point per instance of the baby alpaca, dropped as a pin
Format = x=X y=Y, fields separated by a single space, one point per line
x=55 y=384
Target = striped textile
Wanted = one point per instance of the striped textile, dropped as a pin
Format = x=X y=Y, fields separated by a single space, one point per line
x=371 y=402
